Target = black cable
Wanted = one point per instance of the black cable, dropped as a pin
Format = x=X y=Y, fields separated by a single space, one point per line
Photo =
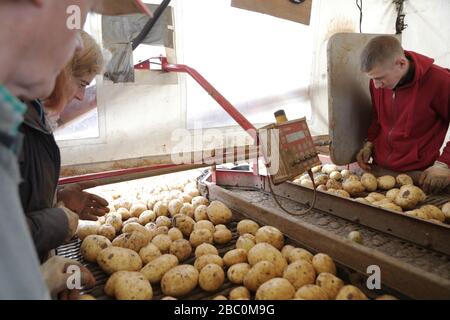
x=311 y=175
x=400 y=22
x=150 y=24
x=359 y=4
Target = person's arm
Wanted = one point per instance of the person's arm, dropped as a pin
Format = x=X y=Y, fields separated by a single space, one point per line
x=51 y=227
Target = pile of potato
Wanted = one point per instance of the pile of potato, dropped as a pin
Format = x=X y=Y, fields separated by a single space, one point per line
x=146 y=243
x=397 y=194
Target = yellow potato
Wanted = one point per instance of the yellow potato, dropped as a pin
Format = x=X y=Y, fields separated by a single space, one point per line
x=316 y=169
x=237 y=272
x=133 y=286
x=205 y=248
x=392 y=194
x=300 y=273
x=114 y=220
x=135 y=226
x=163 y=221
x=181 y=248
x=160 y=209
x=220 y=297
x=270 y=235
x=298 y=254
x=306 y=183
x=321 y=180
x=200 y=213
x=333 y=184
x=175 y=234
x=179 y=281
x=211 y=277
x=130 y=220
x=124 y=213
x=311 y=292
x=184 y=223
x=329 y=168
x=353 y=187
x=434 y=212
x=409 y=196
x=149 y=253
x=146 y=217
x=275 y=289
x=322 y=188
x=187 y=209
x=330 y=284
x=114 y=259
x=205 y=259
x=219 y=213
x=350 y=292
x=163 y=242
x=391 y=206
x=107 y=231
x=386 y=182
x=386 y=297
x=323 y=263
x=92 y=245
x=260 y=272
x=240 y=293
x=175 y=207
x=264 y=251
x=222 y=236
x=336 y=175
x=199 y=236
x=137 y=208
x=131 y=240
x=286 y=250
x=362 y=200
x=205 y=224
x=369 y=181
x=235 y=256
x=199 y=200
x=346 y=173
x=247 y=226
x=404 y=179
x=446 y=211
x=110 y=285
x=155 y=269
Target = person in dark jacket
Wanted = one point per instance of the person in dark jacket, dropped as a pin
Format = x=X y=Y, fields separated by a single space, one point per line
x=411 y=104
x=51 y=224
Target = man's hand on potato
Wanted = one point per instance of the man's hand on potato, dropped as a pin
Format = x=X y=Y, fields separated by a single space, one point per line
x=364 y=156
x=88 y=206
x=435 y=179
x=58 y=273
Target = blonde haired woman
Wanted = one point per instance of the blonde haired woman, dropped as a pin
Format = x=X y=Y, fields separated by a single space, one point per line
x=40 y=160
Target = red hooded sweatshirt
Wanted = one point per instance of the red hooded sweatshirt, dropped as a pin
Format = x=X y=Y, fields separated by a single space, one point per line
x=410 y=122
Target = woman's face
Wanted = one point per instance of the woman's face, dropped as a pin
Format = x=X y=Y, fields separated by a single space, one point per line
x=78 y=86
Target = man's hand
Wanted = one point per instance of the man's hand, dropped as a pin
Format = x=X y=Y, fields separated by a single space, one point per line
x=56 y=276
x=364 y=156
x=88 y=206
x=435 y=178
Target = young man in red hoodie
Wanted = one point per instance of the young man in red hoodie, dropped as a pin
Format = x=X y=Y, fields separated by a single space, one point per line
x=411 y=113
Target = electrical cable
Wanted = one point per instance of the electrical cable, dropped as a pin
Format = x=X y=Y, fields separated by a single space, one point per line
x=359 y=4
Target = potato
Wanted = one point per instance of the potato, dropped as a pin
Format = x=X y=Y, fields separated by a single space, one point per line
x=102 y=219
x=329 y=168
x=199 y=200
x=362 y=200
x=409 y=196
x=346 y=173
x=355 y=236
x=179 y=281
x=275 y=289
x=124 y=213
x=386 y=182
x=235 y=256
x=386 y=297
x=110 y=285
x=261 y=272
x=218 y=213
x=211 y=277
x=134 y=226
x=333 y=184
x=321 y=180
x=199 y=236
x=133 y=286
x=86 y=228
x=350 y=292
x=107 y=231
x=330 y=284
x=184 y=223
x=204 y=224
x=286 y=250
x=175 y=234
x=92 y=245
x=200 y=213
x=155 y=269
x=187 y=209
x=131 y=220
x=151 y=203
x=300 y=273
x=381 y=202
x=134 y=240
x=316 y=169
x=298 y=254
x=163 y=242
x=163 y=221
x=352 y=177
x=122 y=203
x=114 y=259
x=160 y=209
x=307 y=183
x=404 y=179
x=240 y=293
x=322 y=188
x=369 y=181
x=391 y=206
x=434 y=212
x=115 y=220
x=339 y=193
x=336 y=175
x=236 y=273
x=146 y=217
x=323 y=263
x=205 y=259
x=137 y=209
x=174 y=207
x=265 y=251
x=311 y=292
x=205 y=248
x=149 y=253
x=220 y=297
x=247 y=226
x=222 y=236
x=160 y=230
x=192 y=192
x=392 y=194
x=353 y=187
x=86 y=297
x=270 y=235
x=244 y=243
x=185 y=198
x=446 y=211
x=181 y=248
